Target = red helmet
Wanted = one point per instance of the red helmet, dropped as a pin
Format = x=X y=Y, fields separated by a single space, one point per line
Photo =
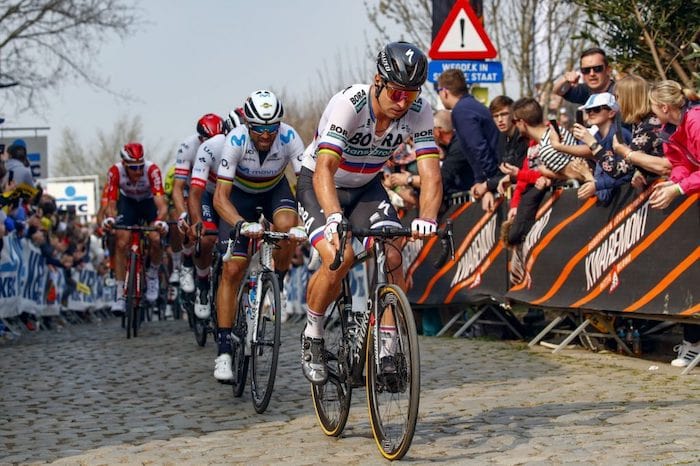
x=210 y=125
x=132 y=153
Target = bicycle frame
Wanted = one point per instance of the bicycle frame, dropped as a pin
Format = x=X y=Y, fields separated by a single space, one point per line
x=135 y=265
x=265 y=264
x=356 y=336
x=355 y=339
x=135 y=254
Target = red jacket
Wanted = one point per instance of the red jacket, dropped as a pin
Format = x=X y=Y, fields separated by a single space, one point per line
x=683 y=151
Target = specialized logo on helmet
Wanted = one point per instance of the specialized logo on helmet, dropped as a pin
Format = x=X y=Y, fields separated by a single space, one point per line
x=266 y=105
x=409 y=54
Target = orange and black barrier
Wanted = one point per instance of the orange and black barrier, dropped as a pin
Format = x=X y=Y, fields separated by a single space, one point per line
x=623 y=257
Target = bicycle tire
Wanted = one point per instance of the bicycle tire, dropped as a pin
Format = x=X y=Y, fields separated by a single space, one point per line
x=130 y=308
x=393 y=400
x=200 y=328
x=239 y=360
x=332 y=399
x=265 y=352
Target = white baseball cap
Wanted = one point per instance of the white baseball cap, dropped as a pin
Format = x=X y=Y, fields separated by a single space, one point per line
x=604 y=99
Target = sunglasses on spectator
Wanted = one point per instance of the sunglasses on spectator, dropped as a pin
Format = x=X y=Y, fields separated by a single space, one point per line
x=597 y=109
x=259 y=129
x=397 y=95
x=135 y=168
x=595 y=69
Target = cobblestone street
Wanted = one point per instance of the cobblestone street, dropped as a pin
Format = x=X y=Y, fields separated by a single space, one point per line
x=86 y=395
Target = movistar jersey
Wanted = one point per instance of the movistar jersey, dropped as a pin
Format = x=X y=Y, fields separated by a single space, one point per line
x=347 y=131
x=242 y=165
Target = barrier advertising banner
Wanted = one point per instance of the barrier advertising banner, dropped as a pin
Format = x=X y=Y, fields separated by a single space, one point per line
x=624 y=257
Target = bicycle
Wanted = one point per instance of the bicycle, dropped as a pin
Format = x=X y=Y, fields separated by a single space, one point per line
x=135 y=277
x=352 y=350
x=256 y=331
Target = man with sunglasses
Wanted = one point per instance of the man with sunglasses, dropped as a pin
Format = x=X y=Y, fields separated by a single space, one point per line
x=342 y=175
x=597 y=78
x=251 y=174
x=135 y=195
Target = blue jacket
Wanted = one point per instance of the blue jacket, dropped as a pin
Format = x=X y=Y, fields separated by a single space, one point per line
x=478 y=136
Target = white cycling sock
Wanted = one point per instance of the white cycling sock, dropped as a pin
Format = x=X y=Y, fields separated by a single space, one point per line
x=120 y=289
x=202 y=273
x=387 y=337
x=314 y=324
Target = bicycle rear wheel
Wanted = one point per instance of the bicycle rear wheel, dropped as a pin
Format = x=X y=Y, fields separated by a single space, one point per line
x=332 y=400
x=393 y=398
x=239 y=360
x=265 y=351
x=131 y=310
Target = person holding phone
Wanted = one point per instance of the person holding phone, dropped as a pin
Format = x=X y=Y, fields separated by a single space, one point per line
x=611 y=170
x=596 y=73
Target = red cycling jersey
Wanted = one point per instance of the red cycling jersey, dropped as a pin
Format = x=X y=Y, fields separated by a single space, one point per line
x=148 y=185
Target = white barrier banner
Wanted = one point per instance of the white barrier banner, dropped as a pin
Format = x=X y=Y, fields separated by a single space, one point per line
x=32 y=279
x=10 y=263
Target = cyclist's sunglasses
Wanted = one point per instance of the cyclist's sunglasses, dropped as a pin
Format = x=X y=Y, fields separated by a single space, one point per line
x=397 y=95
x=259 y=129
x=138 y=167
x=595 y=69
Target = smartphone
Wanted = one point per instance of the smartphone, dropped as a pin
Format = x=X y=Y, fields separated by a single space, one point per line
x=555 y=125
x=618 y=129
x=579 y=117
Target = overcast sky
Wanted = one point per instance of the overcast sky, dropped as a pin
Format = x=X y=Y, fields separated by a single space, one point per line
x=200 y=56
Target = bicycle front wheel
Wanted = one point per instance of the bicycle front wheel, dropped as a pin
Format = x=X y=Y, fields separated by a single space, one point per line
x=239 y=360
x=265 y=351
x=131 y=310
x=332 y=399
x=393 y=395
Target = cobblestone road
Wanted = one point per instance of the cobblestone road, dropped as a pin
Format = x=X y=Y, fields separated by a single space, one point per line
x=86 y=395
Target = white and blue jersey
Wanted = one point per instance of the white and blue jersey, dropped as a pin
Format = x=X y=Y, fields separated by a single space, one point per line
x=242 y=165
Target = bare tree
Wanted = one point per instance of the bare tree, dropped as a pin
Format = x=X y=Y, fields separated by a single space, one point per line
x=536 y=39
x=45 y=42
x=74 y=159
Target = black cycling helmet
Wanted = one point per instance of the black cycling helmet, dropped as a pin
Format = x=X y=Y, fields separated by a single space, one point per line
x=402 y=63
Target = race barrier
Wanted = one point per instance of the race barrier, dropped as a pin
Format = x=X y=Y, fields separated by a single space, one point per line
x=625 y=257
x=28 y=284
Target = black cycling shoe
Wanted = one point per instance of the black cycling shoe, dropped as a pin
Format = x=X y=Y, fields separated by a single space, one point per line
x=313 y=363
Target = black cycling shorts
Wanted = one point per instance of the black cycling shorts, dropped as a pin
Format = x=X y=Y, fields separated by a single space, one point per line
x=365 y=207
x=276 y=199
x=133 y=212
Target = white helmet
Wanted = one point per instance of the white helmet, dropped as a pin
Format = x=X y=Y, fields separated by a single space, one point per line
x=263 y=108
x=234 y=119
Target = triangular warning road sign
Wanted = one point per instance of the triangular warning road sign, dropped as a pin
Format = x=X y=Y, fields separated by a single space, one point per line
x=462 y=37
